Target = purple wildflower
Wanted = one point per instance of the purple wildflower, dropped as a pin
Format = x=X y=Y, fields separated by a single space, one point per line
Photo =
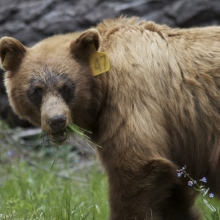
x=211 y=195
x=190 y=183
x=179 y=174
x=203 y=190
x=10 y=153
x=204 y=180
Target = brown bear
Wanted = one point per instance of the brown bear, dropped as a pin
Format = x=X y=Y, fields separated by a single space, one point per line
x=154 y=110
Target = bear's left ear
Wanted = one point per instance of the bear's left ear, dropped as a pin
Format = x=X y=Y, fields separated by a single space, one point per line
x=84 y=45
x=11 y=53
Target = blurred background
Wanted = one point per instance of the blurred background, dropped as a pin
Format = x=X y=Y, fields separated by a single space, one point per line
x=30 y=21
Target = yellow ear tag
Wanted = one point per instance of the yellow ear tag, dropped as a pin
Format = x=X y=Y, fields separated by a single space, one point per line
x=98 y=62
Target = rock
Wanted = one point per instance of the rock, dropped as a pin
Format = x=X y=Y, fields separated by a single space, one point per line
x=97 y=15
x=14 y=26
x=188 y=12
x=215 y=8
x=30 y=11
x=159 y=17
x=6 y=12
x=142 y=7
x=28 y=36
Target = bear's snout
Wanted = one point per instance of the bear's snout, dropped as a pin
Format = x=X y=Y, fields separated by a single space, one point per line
x=57 y=122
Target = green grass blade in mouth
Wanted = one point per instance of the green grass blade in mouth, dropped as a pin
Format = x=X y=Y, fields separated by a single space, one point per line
x=74 y=129
x=77 y=130
x=41 y=135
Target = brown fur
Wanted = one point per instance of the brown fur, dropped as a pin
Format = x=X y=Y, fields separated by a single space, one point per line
x=156 y=109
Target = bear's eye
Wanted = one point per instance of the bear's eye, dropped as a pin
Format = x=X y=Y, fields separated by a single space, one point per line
x=67 y=92
x=37 y=92
x=65 y=89
x=35 y=95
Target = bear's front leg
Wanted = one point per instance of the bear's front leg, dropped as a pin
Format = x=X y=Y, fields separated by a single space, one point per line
x=153 y=192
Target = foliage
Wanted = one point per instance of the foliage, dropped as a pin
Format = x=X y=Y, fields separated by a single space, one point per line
x=49 y=183
x=57 y=183
x=200 y=187
x=28 y=193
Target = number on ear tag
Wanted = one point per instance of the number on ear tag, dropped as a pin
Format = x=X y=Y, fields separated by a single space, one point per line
x=99 y=63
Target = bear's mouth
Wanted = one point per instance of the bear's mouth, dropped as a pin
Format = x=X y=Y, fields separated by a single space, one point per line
x=58 y=137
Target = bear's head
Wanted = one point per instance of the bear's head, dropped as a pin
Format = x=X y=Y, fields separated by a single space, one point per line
x=51 y=84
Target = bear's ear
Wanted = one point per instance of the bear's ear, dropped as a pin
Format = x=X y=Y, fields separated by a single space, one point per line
x=11 y=53
x=85 y=43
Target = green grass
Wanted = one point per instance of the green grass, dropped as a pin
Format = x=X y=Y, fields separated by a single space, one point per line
x=206 y=213
x=49 y=183
x=29 y=193
x=56 y=184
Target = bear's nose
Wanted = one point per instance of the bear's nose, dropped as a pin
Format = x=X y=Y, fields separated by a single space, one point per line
x=57 y=122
